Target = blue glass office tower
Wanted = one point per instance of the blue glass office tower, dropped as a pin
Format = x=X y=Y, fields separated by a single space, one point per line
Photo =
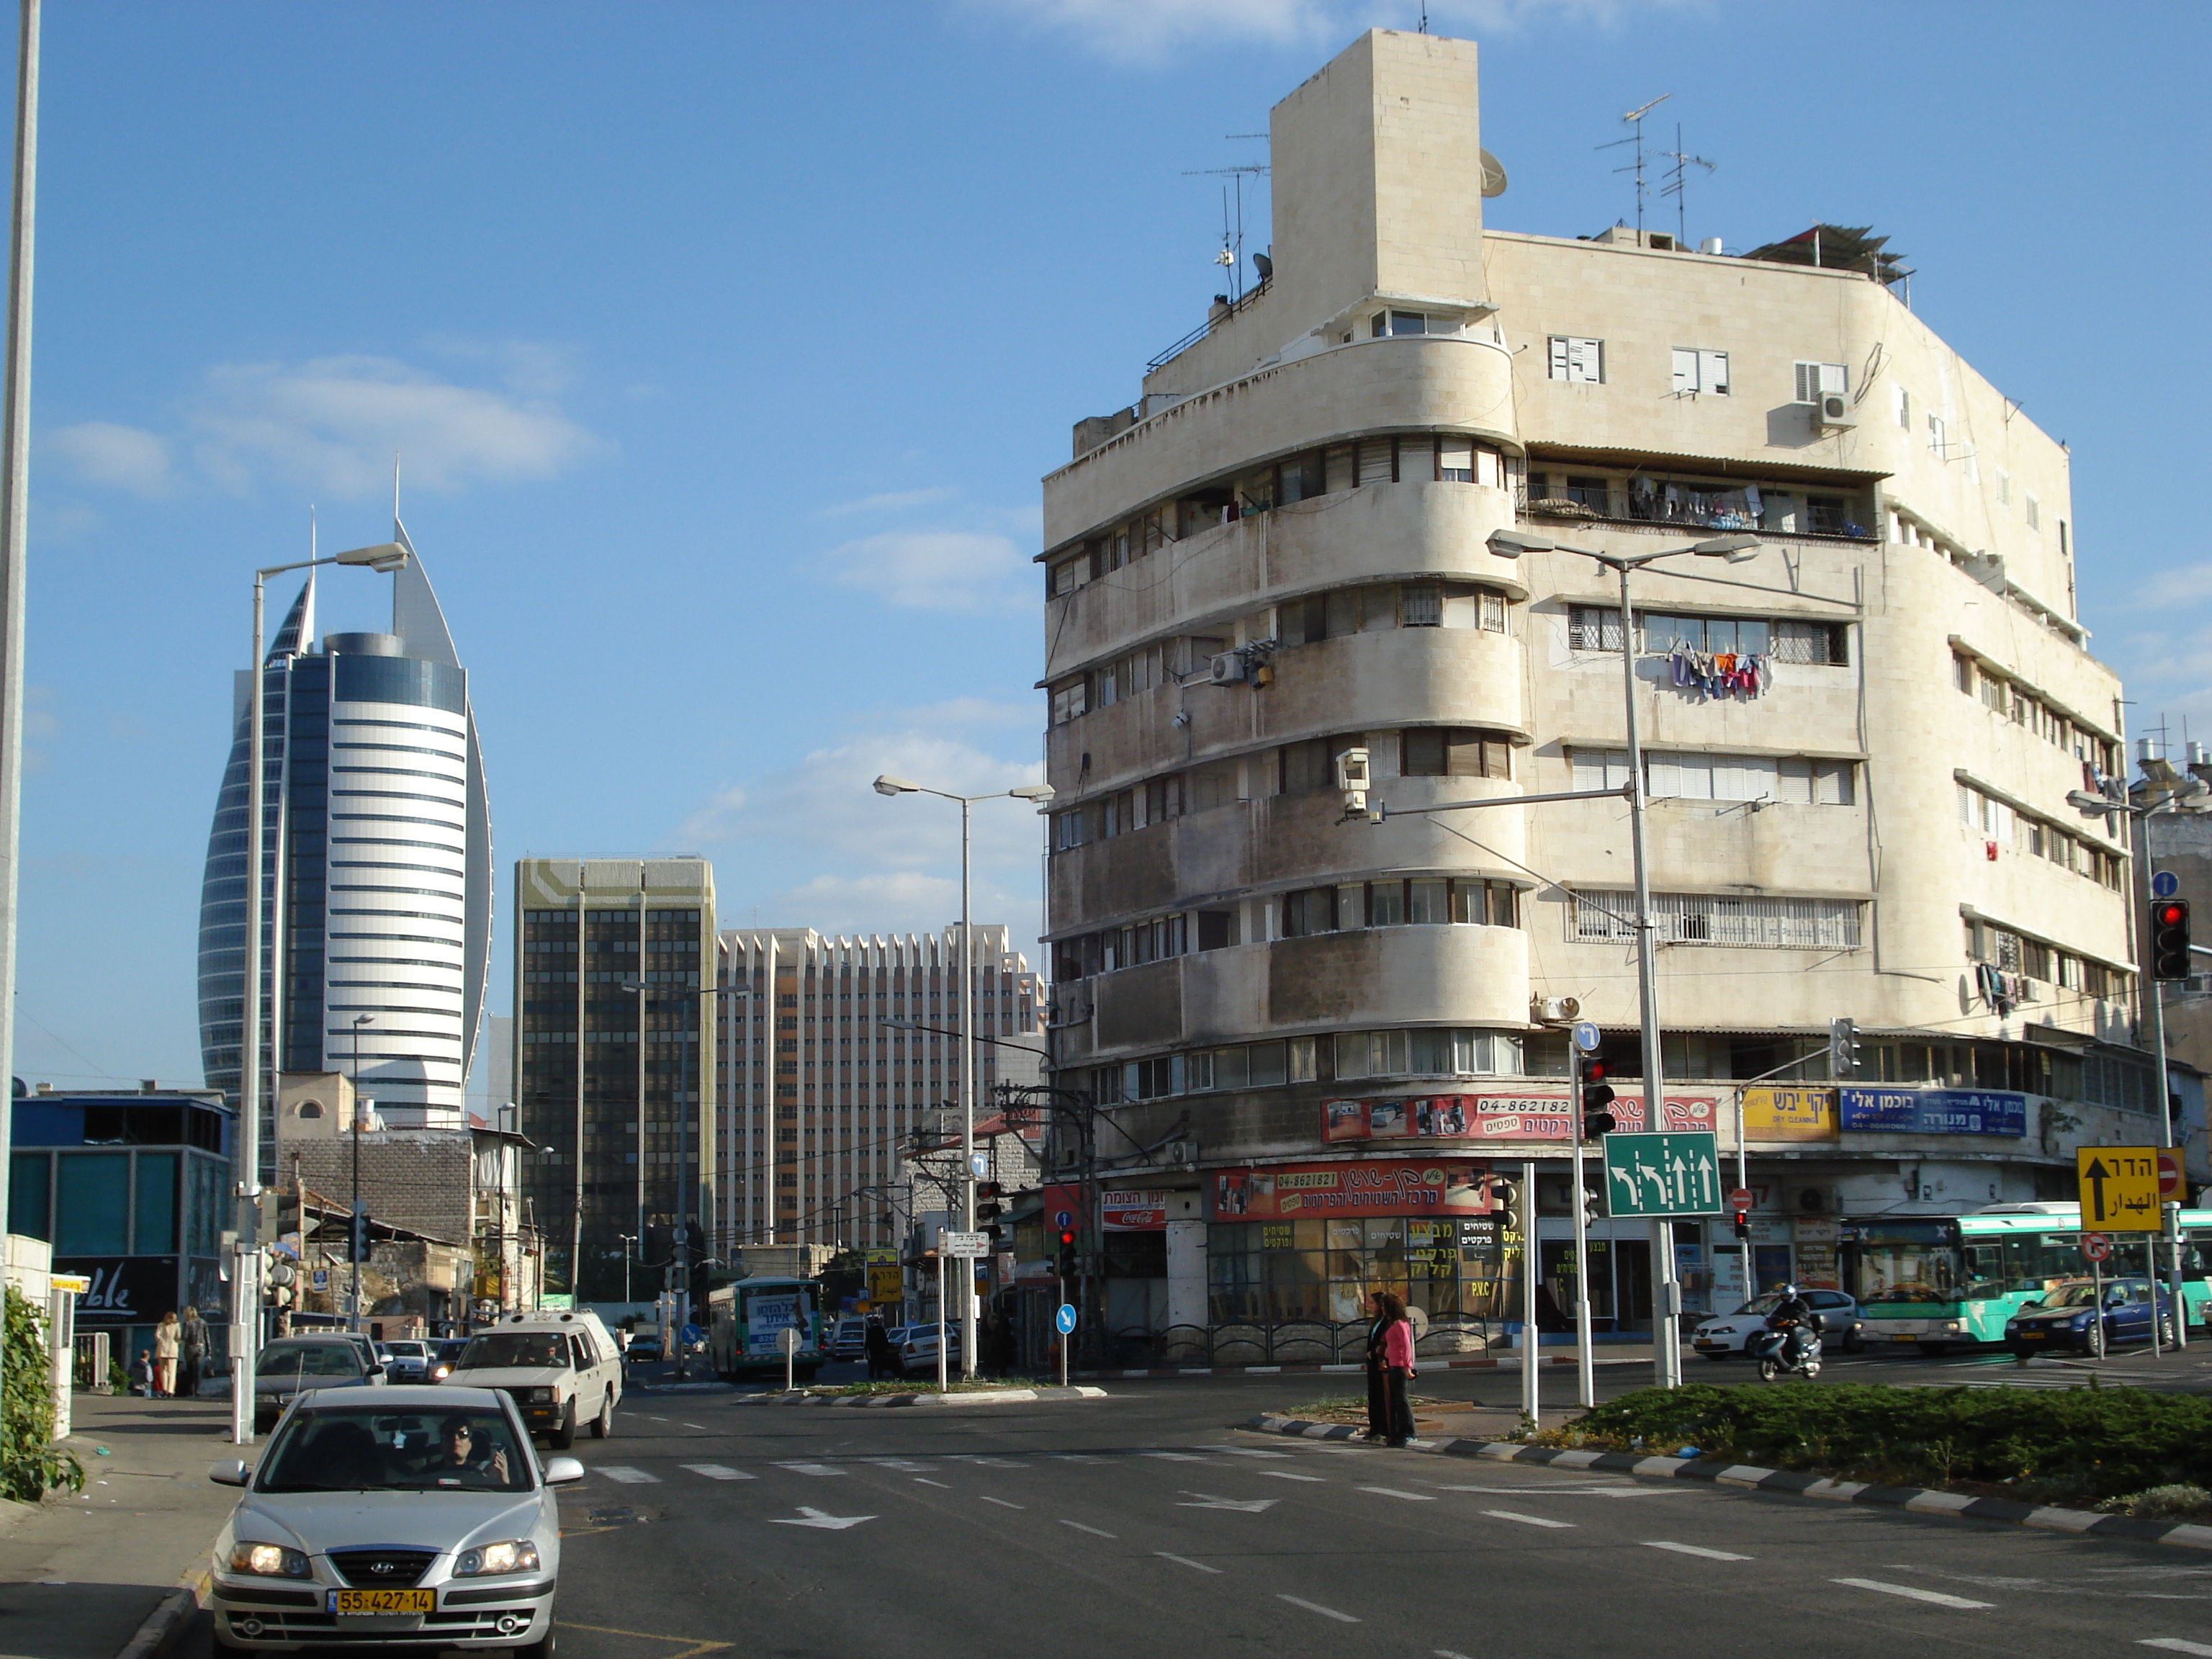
x=375 y=867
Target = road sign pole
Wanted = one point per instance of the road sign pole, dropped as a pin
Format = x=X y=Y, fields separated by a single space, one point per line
x=1585 y=1363
x=940 y=1314
x=1531 y=1400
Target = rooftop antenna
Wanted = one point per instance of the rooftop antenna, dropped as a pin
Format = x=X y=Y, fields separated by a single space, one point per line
x=1635 y=118
x=1232 y=221
x=395 y=495
x=1677 y=176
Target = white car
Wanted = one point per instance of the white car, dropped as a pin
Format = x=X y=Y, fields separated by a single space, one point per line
x=419 y=1517
x=1723 y=1336
x=917 y=1349
x=561 y=1370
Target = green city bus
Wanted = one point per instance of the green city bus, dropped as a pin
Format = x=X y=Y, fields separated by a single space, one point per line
x=1941 y=1282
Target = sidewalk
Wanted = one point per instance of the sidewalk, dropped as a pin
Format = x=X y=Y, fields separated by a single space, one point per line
x=81 y=1573
x=1549 y=1357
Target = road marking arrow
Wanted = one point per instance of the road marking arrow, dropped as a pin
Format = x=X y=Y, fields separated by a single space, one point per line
x=2096 y=1174
x=813 y=1517
x=1247 y=1506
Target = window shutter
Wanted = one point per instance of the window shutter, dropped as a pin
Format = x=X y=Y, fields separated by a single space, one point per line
x=1902 y=400
x=1375 y=461
x=1420 y=604
x=1686 y=371
x=1834 y=378
x=1485 y=468
x=1808 y=383
x=1713 y=371
x=1588 y=361
x=1456 y=461
x=1561 y=358
x=1417 y=460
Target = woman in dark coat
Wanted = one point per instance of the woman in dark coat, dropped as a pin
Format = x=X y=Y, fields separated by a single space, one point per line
x=882 y=1362
x=1378 y=1397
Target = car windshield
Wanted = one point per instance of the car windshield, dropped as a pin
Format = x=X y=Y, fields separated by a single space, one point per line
x=531 y=1349
x=366 y=1449
x=308 y=1360
x=1762 y=1304
x=406 y=1350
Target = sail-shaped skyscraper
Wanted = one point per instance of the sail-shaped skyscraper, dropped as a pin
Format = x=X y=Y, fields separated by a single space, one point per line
x=375 y=866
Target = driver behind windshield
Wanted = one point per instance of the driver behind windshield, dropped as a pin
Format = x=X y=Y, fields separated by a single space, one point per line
x=467 y=1451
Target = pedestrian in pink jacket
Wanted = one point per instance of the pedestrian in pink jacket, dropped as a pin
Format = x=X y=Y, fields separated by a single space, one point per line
x=1397 y=1366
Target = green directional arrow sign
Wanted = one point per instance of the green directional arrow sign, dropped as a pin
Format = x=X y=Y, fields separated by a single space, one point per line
x=1662 y=1174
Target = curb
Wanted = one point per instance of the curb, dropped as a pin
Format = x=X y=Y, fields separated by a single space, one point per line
x=172 y=1616
x=879 y=1402
x=652 y=1389
x=1352 y=1368
x=1924 y=1500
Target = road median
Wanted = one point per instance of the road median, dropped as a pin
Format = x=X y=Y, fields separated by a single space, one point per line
x=929 y=1398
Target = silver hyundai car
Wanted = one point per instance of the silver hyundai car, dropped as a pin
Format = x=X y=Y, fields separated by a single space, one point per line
x=381 y=1517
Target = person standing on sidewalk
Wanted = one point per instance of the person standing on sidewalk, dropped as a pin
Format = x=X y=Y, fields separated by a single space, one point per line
x=1378 y=1393
x=195 y=1354
x=168 y=1339
x=1397 y=1369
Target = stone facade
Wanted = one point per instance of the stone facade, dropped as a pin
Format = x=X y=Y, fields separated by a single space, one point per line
x=1287 y=551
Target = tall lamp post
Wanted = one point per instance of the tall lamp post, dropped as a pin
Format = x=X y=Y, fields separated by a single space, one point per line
x=360 y=1234
x=627 y=1239
x=1667 y=1349
x=1041 y=793
x=245 y=1281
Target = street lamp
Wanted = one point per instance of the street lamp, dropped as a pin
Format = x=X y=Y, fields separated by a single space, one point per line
x=246 y=1282
x=360 y=1234
x=1666 y=1352
x=1041 y=793
x=627 y=1239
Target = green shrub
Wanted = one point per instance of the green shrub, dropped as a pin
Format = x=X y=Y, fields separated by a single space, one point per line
x=2182 y=1503
x=31 y=1465
x=2074 y=1444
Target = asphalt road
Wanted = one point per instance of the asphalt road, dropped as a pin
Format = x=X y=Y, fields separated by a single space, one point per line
x=1142 y=1524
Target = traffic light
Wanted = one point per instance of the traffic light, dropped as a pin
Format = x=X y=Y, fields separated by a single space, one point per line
x=1843 y=1049
x=2169 y=938
x=360 y=1243
x=1743 y=1224
x=1067 y=1253
x=1594 y=1200
x=1596 y=1098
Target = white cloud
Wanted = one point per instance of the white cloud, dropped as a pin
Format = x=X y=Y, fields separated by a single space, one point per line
x=332 y=425
x=892 y=501
x=905 y=901
x=119 y=457
x=935 y=570
x=2165 y=590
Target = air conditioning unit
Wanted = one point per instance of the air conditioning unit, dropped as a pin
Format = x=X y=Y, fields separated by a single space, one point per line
x=1832 y=409
x=1182 y=1154
x=1228 y=669
x=1554 y=1011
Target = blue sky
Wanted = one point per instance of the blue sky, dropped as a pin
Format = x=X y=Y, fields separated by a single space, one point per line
x=726 y=343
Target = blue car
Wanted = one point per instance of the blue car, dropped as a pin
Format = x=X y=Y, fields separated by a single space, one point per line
x=2067 y=1316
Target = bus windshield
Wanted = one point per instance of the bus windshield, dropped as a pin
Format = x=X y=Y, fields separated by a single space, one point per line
x=1908 y=1261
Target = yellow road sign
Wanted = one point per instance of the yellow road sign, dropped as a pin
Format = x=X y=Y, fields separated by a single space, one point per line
x=2119 y=1188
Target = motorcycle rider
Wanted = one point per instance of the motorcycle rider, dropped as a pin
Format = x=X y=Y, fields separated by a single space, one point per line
x=1793 y=1317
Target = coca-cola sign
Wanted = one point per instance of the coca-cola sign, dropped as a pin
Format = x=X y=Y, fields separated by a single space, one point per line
x=125 y=1289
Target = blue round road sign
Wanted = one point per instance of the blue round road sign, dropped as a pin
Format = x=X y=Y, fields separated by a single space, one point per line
x=689 y=1334
x=1586 y=1036
x=1063 y=1218
x=2165 y=885
x=1065 y=1319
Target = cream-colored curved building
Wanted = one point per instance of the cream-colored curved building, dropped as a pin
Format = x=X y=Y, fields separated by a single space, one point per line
x=1859 y=742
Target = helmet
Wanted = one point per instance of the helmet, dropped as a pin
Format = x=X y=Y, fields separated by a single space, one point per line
x=1788 y=1290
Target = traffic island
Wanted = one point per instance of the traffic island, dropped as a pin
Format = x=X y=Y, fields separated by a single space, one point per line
x=883 y=1395
x=2105 y=1462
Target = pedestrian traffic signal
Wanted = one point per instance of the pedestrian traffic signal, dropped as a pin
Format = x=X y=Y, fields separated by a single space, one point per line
x=2169 y=938
x=1068 y=1252
x=1597 y=1094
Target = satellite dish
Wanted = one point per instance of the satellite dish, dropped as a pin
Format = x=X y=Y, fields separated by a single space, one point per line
x=1493 y=175
x=1264 y=266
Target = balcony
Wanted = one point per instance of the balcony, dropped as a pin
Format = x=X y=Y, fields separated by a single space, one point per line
x=1665 y=504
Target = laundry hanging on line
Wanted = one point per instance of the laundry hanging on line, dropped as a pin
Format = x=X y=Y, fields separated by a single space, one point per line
x=1721 y=673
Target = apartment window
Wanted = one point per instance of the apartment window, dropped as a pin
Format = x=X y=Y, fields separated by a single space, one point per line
x=1936 y=444
x=1574 y=359
x=1304 y=767
x=1069 y=699
x=1793 y=780
x=1491 y=609
x=1712 y=919
x=1900 y=403
x=1163 y=798
x=1119 y=681
x=1383 y=324
x=1593 y=628
x=1454 y=752
x=1421 y=605
x=1313 y=910
x=1995 y=693
x=1700 y=372
x=1378 y=461
x=1962 y=672
x=2034 y=510
x=1454 y=460
x=1069 y=574
x=1599 y=769
x=1817 y=380
x=2004 y=488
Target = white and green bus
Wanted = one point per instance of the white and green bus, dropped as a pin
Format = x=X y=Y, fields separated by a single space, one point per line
x=1941 y=1282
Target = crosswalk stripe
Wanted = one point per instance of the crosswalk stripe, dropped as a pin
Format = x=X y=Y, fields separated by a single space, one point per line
x=1185 y=1561
x=1316 y=1606
x=1410 y=1497
x=1093 y=1531
x=1692 y=1549
x=2174 y=1645
x=810 y=1468
x=1526 y=1520
x=628 y=1476
x=718 y=1471
x=1911 y=1592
